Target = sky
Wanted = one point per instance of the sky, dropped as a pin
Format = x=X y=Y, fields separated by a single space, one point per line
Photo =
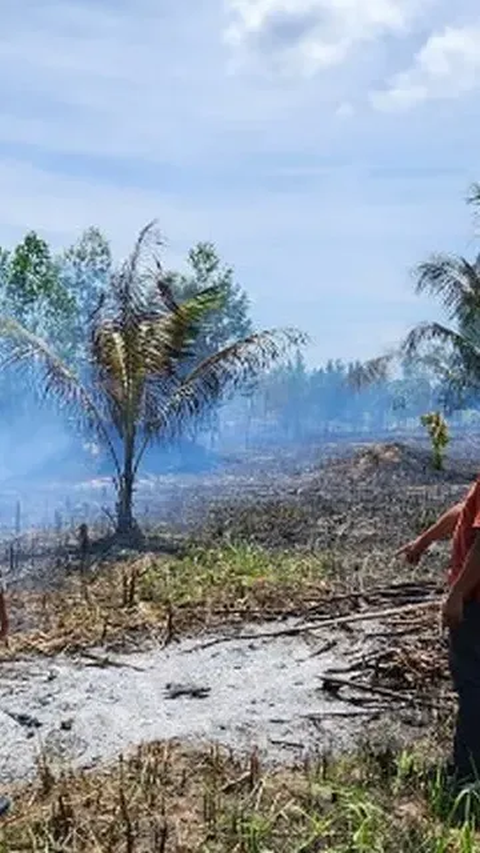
x=325 y=146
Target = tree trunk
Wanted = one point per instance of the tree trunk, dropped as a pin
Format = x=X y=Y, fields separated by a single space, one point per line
x=125 y=520
x=126 y=524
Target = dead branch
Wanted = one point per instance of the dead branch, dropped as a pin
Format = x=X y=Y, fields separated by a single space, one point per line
x=380 y=691
x=319 y=625
x=103 y=662
x=319 y=715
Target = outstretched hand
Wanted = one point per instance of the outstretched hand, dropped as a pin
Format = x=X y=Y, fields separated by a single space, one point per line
x=412 y=551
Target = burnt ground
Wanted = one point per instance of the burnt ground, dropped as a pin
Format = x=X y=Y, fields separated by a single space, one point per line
x=355 y=503
x=354 y=509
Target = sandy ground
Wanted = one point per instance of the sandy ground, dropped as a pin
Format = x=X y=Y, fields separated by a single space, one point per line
x=259 y=692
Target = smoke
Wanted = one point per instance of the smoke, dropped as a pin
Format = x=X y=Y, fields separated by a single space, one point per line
x=61 y=477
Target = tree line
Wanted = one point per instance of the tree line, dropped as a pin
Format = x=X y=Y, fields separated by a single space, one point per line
x=295 y=403
x=141 y=354
x=55 y=295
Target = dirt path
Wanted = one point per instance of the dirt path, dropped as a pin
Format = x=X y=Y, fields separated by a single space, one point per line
x=258 y=692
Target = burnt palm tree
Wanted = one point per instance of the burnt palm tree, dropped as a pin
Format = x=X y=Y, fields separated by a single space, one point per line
x=135 y=389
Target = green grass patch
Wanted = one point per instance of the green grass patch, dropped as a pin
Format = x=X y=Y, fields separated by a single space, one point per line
x=155 y=596
x=231 y=572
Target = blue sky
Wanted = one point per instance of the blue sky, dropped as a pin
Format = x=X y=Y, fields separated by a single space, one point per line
x=325 y=146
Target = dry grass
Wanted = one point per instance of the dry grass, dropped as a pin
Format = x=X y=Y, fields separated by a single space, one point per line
x=154 y=598
x=331 y=531
x=166 y=797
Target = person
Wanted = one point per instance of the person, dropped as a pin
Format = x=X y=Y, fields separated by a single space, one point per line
x=5 y=802
x=461 y=616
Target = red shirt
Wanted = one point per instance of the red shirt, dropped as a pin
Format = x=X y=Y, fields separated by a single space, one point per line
x=464 y=535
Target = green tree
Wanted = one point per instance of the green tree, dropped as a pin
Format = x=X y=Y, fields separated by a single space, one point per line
x=85 y=270
x=139 y=391
x=285 y=394
x=31 y=290
x=228 y=321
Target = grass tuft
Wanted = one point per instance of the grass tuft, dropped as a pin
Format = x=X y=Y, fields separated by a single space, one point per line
x=166 y=797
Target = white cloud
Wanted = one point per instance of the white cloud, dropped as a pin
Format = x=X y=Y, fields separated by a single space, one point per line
x=132 y=79
x=116 y=112
x=447 y=66
x=306 y=36
x=126 y=79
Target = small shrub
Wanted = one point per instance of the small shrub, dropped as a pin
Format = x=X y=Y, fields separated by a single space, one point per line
x=438 y=432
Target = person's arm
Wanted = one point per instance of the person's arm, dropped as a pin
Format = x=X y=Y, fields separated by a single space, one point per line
x=442 y=529
x=466 y=582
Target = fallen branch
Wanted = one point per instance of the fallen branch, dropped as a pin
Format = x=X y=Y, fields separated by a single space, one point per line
x=289 y=744
x=334 y=681
x=319 y=715
x=104 y=662
x=363 y=662
x=375 y=614
x=319 y=625
x=327 y=647
x=371 y=596
x=23 y=719
x=232 y=784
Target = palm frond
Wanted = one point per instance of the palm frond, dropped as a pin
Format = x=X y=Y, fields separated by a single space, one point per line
x=234 y=365
x=428 y=333
x=462 y=366
x=219 y=375
x=96 y=311
x=23 y=347
x=370 y=372
x=455 y=281
x=473 y=196
x=128 y=282
x=134 y=365
x=180 y=328
x=149 y=233
x=154 y=344
x=164 y=289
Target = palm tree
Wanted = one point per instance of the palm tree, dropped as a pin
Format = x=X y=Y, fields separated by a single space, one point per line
x=135 y=389
x=451 y=349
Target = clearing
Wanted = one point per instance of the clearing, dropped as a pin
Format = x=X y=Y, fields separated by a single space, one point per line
x=263 y=630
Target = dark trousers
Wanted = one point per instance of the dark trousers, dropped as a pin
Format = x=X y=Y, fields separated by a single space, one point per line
x=465 y=669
